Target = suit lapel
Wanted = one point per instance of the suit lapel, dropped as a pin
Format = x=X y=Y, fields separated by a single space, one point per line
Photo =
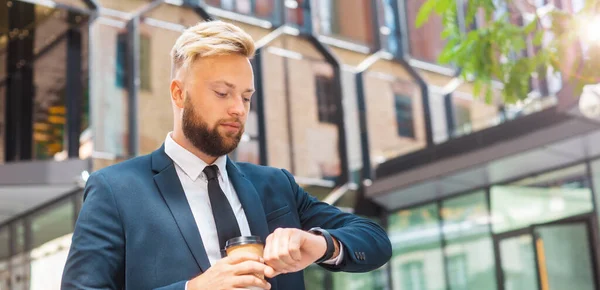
x=170 y=188
x=250 y=201
x=255 y=213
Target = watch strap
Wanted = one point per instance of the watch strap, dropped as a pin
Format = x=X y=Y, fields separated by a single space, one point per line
x=329 y=240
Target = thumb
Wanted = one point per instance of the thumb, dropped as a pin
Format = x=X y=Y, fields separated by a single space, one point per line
x=270 y=273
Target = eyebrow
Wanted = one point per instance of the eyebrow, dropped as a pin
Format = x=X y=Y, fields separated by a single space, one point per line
x=232 y=86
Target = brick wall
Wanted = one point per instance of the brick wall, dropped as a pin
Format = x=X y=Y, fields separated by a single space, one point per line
x=155 y=117
x=313 y=144
x=382 y=127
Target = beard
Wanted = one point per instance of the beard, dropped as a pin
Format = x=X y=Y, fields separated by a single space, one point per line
x=206 y=139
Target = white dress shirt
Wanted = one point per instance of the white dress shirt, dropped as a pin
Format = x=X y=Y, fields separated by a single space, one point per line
x=195 y=185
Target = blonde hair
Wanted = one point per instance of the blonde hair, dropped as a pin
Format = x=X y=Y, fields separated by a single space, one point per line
x=210 y=38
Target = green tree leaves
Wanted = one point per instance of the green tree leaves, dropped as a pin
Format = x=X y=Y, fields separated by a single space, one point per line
x=497 y=45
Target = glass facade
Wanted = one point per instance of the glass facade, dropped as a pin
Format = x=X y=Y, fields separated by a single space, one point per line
x=542 y=198
x=595 y=172
x=417 y=257
x=468 y=246
x=533 y=233
x=518 y=263
x=34 y=247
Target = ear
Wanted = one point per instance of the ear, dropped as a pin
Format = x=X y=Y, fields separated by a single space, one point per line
x=177 y=94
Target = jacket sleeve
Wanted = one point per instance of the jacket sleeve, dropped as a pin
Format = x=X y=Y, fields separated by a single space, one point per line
x=97 y=256
x=366 y=245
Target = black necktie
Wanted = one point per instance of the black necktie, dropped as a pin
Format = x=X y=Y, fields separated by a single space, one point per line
x=227 y=226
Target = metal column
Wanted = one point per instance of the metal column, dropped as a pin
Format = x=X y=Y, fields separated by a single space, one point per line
x=74 y=89
x=20 y=91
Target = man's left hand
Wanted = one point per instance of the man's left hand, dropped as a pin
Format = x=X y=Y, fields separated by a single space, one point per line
x=291 y=250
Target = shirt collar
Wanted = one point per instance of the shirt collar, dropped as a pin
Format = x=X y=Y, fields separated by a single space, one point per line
x=189 y=163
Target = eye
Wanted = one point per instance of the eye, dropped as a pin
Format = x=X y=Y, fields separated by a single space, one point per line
x=247 y=100
x=222 y=95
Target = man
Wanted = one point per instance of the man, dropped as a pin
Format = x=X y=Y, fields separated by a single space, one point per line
x=161 y=221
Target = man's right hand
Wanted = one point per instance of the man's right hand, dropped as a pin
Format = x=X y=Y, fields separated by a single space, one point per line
x=232 y=272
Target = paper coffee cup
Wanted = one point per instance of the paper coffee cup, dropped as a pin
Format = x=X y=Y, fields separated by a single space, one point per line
x=252 y=244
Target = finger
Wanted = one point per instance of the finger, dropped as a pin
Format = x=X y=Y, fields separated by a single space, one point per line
x=268 y=246
x=249 y=267
x=294 y=247
x=270 y=272
x=273 y=257
x=283 y=249
x=239 y=257
x=250 y=280
x=271 y=246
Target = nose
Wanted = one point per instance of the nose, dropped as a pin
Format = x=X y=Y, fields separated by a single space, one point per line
x=238 y=107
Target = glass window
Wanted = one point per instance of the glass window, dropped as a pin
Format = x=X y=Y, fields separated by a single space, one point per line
x=438 y=115
x=349 y=20
x=294 y=12
x=374 y=280
x=469 y=249
x=518 y=263
x=19 y=236
x=404 y=116
x=51 y=230
x=425 y=42
x=51 y=223
x=462 y=118
x=412 y=276
x=109 y=98
x=314 y=277
x=387 y=26
x=472 y=113
x=324 y=87
x=564 y=257
x=121 y=80
x=417 y=261
x=258 y=8
x=457 y=272
x=595 y=167
x=542 y=198
x=4 y=243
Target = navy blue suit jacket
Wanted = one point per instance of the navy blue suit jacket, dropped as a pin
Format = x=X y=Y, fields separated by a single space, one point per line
x=136 y=230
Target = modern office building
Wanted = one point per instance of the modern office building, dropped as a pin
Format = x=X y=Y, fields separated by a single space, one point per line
x=350 y=98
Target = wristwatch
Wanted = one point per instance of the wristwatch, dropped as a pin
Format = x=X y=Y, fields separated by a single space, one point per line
x=328 y=239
